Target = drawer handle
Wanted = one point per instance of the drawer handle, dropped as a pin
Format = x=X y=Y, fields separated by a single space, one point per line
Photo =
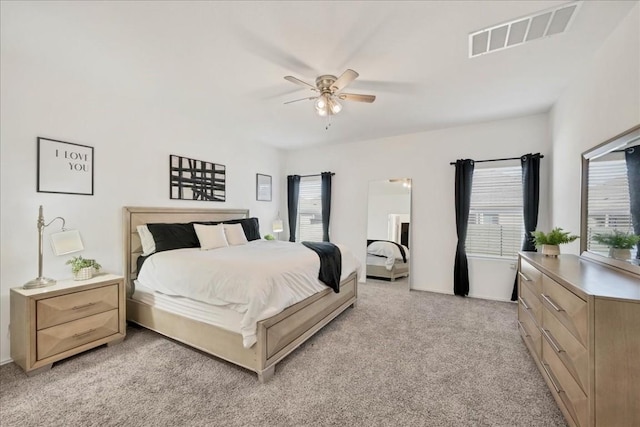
x=525 y=278
x=524 y=304
x=79 y=307
x=551 y=341
x=82 y=334
x=524 y=331
x=551 y=303
x=552 y=378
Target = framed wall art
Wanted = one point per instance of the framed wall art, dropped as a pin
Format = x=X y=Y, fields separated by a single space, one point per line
x=263 y=187
x=64 y=167
x=191 y=179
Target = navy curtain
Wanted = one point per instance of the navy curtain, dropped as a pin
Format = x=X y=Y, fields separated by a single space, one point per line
x=530 y=202
x=464 y=179
x=293 y=191
x=326 y=203
x=632 y=156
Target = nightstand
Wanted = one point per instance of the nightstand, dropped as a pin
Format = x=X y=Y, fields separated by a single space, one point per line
x=52 y=323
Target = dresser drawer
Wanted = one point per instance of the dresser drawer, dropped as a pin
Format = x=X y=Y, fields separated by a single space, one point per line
x=65 y=308
x=530 y=331
x=66 y=336
x=567 y=307
x=574 y=399
x=568 y=349
x=530 y=276
x=531 y=302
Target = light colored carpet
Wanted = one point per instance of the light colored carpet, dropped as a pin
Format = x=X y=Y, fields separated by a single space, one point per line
x=398 y=359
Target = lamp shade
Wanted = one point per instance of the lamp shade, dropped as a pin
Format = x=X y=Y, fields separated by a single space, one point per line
x=277 y=226
x=66 y=242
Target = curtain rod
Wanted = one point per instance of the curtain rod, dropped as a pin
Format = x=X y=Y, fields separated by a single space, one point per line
x=496 y=160
x=318 y=174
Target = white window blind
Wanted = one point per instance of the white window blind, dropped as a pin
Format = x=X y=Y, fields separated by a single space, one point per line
x=609 y=201
x=310 y=209
x=496 y=224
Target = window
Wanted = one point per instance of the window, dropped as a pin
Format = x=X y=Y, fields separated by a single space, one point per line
x=310 y=209
x=609 y=205
x=496 y=224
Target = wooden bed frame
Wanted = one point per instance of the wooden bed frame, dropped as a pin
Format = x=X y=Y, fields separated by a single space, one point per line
x=277 y=336
x=399 y=269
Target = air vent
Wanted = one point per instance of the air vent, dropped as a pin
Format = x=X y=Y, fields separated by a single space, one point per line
x=525 y=29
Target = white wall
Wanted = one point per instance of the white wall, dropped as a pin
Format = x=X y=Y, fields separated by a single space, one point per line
x=132 y=144
x=380 y=207
x=424 y=157
x=603 y=101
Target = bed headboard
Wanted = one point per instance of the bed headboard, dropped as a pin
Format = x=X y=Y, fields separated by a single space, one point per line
x=135 y=216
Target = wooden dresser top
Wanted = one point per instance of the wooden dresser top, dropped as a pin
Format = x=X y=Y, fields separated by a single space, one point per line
x=587 y=278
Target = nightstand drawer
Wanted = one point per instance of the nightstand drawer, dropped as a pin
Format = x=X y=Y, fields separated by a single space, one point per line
x=66 y=308
x=57 y=339
x=567 y=307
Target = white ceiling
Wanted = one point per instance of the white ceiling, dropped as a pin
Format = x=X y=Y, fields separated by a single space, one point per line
x=225 y=61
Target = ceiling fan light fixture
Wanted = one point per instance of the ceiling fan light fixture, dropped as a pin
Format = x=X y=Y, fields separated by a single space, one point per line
x=321 y=102
x=334 y=106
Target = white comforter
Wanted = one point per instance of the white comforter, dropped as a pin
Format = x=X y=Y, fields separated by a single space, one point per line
x=259 y=279
x=388 y=250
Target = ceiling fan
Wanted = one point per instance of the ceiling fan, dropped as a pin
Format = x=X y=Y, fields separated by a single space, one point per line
x=329 y=89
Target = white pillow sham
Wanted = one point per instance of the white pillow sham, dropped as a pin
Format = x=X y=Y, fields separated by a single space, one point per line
x=235 y=234
x=146 y=238
x=211 y=236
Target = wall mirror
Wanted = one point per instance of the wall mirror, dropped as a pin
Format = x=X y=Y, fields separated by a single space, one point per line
x=389 y=230
x=610 y=217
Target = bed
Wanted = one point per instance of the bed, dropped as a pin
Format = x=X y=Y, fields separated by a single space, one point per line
x=387 y=260
x=275 y=336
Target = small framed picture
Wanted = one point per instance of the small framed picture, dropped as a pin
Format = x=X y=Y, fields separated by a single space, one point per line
x=64 y=167
x=263 y=187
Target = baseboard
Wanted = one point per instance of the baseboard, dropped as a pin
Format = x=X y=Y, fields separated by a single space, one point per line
x=4 y=362
x=468 y=296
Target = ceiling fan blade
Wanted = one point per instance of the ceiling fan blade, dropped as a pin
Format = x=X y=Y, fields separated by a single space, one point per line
x=356 y=97
x=300 y=82
x=302 y=99
x=342 y=82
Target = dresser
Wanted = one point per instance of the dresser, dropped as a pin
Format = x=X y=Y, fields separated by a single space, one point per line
x=580 y=321
x=51 y=323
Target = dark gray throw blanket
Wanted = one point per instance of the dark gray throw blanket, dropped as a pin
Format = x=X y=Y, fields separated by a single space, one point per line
x=402 y=252
x=330 y=263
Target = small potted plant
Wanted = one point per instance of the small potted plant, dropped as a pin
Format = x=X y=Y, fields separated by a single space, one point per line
x=83 y=268
x=550 y=242
x=619 y=242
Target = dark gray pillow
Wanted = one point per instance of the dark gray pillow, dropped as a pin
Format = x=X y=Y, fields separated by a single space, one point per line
x=174 y=236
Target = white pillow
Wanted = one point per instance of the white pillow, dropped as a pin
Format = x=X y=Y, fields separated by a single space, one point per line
x=235 y=234
x=146 y=238
x=211 y=236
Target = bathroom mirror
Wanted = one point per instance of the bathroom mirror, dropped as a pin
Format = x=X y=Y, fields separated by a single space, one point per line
x=610 y=216
x=389 y=230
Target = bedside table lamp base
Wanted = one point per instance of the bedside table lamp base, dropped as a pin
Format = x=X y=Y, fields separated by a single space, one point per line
x=39 y=282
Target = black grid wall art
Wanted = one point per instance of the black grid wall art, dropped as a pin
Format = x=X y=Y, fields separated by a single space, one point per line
x=196 y=180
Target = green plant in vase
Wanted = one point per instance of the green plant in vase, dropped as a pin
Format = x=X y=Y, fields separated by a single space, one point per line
x=619 y=243
x=83 y=268
x=550 y=242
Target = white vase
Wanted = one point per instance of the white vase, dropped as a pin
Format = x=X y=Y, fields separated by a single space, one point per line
x=84 y=273
x=551 y=250
x=618 y=253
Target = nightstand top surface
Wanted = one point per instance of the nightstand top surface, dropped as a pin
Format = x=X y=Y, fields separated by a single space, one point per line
x=64 y=284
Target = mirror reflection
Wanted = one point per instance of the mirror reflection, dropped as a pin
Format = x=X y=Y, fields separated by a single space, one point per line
x=613 y=199
x=388 y=229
